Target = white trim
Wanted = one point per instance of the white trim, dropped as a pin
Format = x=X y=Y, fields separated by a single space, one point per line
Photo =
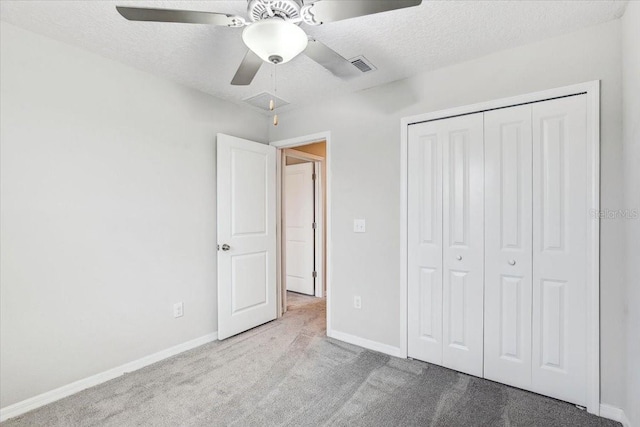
x=615 y=414
x=94 y=380
x=404 y=249
x=302 y=140
x=305 y=140
x=592 y=90
x=280 y=267
x=593 y=249
x=319 y=231
x=301 y=155
x=365 y=343
x=504 y=102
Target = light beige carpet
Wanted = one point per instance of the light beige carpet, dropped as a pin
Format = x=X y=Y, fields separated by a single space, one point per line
x=288 y=373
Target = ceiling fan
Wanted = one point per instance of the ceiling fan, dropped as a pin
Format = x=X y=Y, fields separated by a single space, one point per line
x=272 y=32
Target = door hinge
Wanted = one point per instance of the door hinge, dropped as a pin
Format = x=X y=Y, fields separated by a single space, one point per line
x=315 y=274
x=313 y=176
x=314 y=225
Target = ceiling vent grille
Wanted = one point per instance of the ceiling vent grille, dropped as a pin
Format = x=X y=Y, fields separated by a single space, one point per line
x=262 y=101
x=362 y=64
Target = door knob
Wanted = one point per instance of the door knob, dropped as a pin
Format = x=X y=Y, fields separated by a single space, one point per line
x=225 y=247
x=512 y=262
x=459 y=257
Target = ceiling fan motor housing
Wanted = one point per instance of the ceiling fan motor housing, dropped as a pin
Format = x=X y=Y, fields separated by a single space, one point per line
x=265 y=9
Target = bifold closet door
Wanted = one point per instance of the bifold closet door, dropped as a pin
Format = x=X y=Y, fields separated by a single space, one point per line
x=445 y=242
x=508 y=246
x=424 y=241
x=463 y=244
x=560 y=214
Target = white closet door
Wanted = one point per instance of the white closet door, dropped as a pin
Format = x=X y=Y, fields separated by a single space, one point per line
x=560 y=213
x=463 y=245
x=508 y=240
x=425 y=242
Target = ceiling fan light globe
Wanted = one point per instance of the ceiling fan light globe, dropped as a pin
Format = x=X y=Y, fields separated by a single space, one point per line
x=275 y=38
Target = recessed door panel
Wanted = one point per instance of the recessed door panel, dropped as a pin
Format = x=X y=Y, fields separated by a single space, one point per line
x=425 y=242
x=511 y=336
x=249 y=275
x=463 y=234
x=248 y=195
x=560 y=216
x=552 y=158
x=429 y=190
x=429 y=310
x=457 y=309
x=553 y=315
x=508 y=246
x=458 y=203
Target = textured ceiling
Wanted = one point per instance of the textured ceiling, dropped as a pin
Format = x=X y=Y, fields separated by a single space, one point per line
x=399 y=43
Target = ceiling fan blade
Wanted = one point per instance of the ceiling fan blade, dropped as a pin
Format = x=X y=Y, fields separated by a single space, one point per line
x=331 y=60
x=247 y=70
x=179 y=16
x=335 y=10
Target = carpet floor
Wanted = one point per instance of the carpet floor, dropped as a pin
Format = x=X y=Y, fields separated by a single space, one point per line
x=288 y=373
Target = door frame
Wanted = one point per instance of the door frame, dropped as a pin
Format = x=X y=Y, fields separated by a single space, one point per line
x=592 y=91
x=318 y=205
x=291 y=143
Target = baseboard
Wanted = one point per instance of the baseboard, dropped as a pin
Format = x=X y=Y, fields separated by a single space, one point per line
x=363 y=342
x=69 y=389
x=615 y=414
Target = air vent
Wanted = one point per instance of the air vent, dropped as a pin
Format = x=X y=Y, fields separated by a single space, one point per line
x=262 y=101
x=362 y=64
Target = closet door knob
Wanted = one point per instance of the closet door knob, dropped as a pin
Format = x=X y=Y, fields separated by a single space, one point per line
x=459 y=257
x=512 y=262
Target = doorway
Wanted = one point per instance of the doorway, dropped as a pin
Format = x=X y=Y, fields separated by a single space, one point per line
x=303 y=225
x=302 y=218
x=303 y=187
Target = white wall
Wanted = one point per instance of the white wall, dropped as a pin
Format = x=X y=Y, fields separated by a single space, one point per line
x=107 y=212
x=365 y=167
x=631 y=151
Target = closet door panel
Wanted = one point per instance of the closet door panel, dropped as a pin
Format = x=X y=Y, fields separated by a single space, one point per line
x=425 y=242
x=508 y=246
x=560 y=214
x=463 y=246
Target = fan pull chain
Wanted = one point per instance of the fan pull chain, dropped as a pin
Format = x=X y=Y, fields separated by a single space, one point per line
x=272 y=103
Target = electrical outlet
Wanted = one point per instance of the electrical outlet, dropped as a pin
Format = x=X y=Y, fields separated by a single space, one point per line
x=357 y=302
x=359 y=226
x=178 y=309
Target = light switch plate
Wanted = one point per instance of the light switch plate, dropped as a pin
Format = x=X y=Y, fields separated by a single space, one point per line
x=359 y=226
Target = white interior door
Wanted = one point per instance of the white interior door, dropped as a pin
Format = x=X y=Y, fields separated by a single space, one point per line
x=246 y=234
x=424 y=236
x=463 y=243
x=299 y=223
x=508 y=246
x=560 y=213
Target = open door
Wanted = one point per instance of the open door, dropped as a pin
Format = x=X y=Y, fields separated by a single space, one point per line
x=300 y=228
x=246 y=234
